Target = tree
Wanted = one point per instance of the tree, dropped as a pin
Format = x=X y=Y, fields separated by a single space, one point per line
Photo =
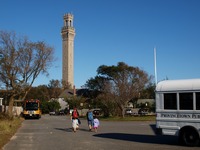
x=66 y=85
x=54 y=105
x=45 y=107
x=22 y=61
x=40 y=92
x=55 y=88
x=119 y=83
x=149 y=91
x=74 y=102
x=100 y=92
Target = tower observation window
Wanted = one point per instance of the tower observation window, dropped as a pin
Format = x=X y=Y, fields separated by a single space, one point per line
x=70 y=23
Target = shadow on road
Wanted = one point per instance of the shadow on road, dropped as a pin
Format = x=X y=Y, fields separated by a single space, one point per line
x=70 y=129
x=169 y=140
x=64 y=129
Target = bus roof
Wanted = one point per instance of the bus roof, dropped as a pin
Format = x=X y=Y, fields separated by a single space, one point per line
x=178 y=85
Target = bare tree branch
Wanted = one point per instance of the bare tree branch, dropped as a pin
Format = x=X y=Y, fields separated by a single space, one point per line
x=22 y=62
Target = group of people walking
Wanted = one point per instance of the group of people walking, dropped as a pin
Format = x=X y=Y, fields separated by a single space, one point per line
x=93 y=121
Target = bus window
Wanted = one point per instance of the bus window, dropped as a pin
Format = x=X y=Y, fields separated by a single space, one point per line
x=198 y=101
x=186 y=101
x=170 y=101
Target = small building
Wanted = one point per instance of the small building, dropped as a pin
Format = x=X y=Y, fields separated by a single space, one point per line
x=145 y=101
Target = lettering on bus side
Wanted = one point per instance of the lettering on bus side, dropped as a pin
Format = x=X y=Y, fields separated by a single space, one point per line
x=192 y=116
x=197 y=116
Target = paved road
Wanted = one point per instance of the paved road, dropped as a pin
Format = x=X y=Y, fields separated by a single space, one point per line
x=55 y=133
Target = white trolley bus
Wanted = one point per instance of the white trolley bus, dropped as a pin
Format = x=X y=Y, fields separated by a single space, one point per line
x=178 y=110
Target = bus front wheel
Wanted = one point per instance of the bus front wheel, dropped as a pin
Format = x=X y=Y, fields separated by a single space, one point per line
x=189 y=137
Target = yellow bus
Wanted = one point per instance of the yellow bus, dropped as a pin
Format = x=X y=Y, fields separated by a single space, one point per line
x=32 y=109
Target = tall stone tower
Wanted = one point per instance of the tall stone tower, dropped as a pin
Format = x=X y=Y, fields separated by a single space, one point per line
x=68 y=34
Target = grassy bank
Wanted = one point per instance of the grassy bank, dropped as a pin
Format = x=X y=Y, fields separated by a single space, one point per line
x=130 y=118
x=8 y=127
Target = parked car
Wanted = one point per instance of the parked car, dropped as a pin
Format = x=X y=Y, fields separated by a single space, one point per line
x=128 y=112
x=52 y=113
x=97 y=112
x=61 y=112
x=143 y=111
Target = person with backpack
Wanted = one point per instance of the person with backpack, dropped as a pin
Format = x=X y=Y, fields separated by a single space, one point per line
x=74 y=118
x=90 y=119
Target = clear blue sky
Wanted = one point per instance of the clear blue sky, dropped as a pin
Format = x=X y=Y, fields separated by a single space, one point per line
x=110 y=31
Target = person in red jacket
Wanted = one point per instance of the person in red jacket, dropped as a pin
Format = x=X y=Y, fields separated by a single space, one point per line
x=74 y=118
